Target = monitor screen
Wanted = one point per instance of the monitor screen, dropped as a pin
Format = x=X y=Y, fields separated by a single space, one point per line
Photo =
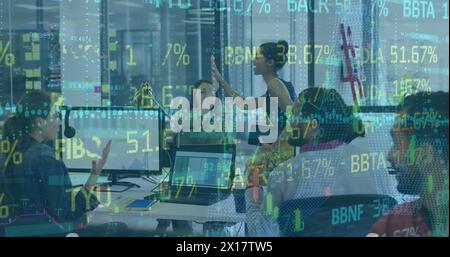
x=202 y=169
x=135 y=146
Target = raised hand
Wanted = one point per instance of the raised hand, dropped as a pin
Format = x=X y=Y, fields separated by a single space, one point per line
x=215 y=72
x=97 y=166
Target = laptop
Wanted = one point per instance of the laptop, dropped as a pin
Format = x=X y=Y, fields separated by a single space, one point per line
x=201 y=174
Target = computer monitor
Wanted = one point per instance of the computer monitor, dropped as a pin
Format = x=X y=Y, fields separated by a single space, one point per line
x=206 y=166
x=135 y=135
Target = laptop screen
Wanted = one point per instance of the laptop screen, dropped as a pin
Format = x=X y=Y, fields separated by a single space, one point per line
x=202 y=169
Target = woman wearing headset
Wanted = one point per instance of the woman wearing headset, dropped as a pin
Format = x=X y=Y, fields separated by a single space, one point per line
x=40 y=183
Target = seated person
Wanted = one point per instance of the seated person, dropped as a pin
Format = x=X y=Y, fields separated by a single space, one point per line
x=40 y=182
x=201 y=138
x=323 y=166
x=419 y=159
x=193 y=138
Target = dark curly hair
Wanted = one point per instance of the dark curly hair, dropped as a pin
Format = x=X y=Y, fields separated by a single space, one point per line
x=335 y=119
x=276 y=52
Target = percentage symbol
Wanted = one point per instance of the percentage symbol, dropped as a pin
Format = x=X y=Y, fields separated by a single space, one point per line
x=312 y=123
x=4 y=210
x=328 y=50
x=328 y=168
x=264 y=5
x=384 y=11
x=9 y=58
x=179 y=188
x=425 y=84
x=190 y=182
x=432 y=52
x=6 y=148
x=181 y=52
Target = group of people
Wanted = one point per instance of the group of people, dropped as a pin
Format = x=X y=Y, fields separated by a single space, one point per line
x=274 y=173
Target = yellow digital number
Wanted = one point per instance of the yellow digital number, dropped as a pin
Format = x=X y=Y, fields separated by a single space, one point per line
x=306 y=170
x=132 y=141
x=394 y=56
x=147 y=142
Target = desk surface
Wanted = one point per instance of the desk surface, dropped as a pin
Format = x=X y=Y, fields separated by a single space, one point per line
x=114 y=203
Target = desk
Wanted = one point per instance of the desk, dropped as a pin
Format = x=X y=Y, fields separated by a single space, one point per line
x=222 y=212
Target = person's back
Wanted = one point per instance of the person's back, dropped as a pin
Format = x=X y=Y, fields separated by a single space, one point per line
x=322 y=168
x=40 y=192
x=35 y=179
x=24 y=181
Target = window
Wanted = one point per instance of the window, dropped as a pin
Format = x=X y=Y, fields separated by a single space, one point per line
x=400 y=48
x=97 y=53
x=252 y=24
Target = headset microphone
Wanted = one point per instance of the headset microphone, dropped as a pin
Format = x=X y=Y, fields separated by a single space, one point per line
x=69 y=131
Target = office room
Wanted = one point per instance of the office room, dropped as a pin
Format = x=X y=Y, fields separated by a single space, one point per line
x=224 y=118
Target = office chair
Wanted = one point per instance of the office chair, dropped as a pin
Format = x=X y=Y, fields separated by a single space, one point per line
x=334 y=216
